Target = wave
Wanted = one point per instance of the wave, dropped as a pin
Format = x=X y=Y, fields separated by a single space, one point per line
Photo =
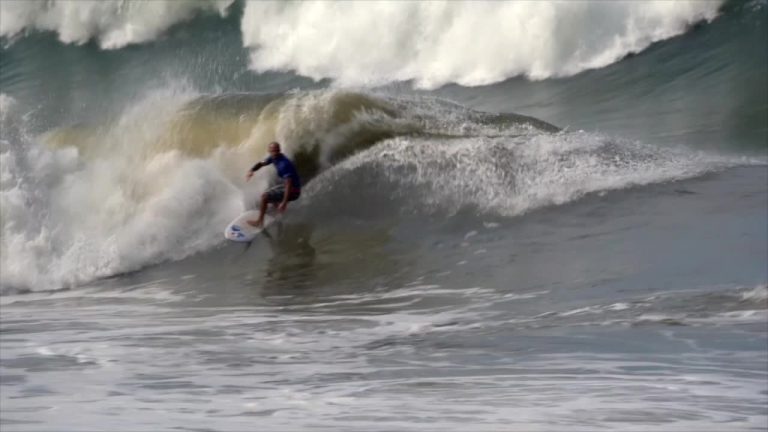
x=91 y=200
x=68 y=219
x=506 y=175
x=317 y=128
x=374 y=43
x=88 y=201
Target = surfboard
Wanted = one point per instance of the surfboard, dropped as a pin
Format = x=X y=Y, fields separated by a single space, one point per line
x=239 y=230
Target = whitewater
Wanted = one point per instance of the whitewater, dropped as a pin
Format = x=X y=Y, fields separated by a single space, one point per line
x=516 y=215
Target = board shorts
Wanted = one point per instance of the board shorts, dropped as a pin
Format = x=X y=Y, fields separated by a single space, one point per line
x=275 y=194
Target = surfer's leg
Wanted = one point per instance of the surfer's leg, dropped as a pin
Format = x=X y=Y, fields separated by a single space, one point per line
x=274 y=196
x=262 y=209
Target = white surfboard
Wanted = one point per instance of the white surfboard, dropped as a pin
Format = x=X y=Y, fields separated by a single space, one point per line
x=239 y=230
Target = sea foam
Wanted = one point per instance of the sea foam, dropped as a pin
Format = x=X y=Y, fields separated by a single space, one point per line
x=68 y=219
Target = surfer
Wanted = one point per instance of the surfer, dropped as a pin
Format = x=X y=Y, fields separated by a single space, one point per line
x=281 y=194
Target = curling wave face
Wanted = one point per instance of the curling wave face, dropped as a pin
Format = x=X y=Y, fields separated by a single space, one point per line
x=90 y=201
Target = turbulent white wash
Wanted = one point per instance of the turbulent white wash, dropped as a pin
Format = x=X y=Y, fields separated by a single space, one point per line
x=67 y=219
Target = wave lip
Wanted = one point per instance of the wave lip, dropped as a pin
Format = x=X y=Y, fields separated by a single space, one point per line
x=513 y=174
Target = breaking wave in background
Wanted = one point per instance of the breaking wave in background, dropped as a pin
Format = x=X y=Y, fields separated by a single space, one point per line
x=369 y=43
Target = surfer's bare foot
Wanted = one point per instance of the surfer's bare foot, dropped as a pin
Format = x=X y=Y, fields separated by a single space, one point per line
x=256 y=223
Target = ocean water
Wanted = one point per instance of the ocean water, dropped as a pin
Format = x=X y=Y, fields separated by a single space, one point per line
x=518 y=216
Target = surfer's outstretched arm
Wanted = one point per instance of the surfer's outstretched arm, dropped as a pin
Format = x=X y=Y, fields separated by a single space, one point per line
x=253 y=170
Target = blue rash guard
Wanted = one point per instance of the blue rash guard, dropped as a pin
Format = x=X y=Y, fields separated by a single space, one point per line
x=285 y=169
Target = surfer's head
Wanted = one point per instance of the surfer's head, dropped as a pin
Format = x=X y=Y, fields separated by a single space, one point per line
x=274 y=148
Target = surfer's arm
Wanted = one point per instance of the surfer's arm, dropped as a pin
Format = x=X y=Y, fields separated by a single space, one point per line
x=253 y=169
x=257 y=167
